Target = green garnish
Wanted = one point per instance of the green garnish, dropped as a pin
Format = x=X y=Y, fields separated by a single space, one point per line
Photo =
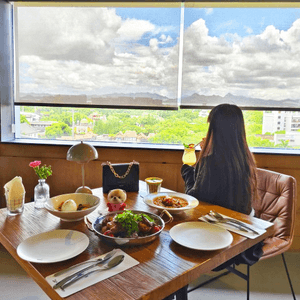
x=130 y=220
x=188 y=145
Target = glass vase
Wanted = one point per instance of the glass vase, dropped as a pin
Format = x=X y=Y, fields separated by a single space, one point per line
x=41 y=193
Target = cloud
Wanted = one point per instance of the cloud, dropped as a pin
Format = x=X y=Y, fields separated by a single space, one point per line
x=133 y=30
x=68 y=34
x=265 y=66
x=94 y=51
x=248 y=29
x=98 y=52
x=209 y=11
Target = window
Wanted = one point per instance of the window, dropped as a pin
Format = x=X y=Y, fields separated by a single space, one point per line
x=150 y=73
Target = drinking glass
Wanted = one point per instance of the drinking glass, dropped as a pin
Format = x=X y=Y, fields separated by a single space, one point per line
x=14 y=203
x=189 y=156
x=153 y=184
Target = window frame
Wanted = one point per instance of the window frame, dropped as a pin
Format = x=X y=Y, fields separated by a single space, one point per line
x=8 y=121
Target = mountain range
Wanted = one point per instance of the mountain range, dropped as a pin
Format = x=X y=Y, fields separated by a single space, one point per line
x=142 y=99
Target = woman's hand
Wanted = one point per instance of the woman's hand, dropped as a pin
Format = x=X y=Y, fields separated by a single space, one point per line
x=202 y=143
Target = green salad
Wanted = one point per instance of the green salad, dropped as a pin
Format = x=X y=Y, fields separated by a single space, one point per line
x=130 y=220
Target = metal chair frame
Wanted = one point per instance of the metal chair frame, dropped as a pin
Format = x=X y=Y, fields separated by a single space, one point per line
x=232 y=269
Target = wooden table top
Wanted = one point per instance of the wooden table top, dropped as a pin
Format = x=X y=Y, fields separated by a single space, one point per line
x=165 y=266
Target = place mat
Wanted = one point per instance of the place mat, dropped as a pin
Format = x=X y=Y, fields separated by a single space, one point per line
x=83 y=283
x=258 y=225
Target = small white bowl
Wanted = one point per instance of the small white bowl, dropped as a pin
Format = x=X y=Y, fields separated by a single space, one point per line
x=53 y=204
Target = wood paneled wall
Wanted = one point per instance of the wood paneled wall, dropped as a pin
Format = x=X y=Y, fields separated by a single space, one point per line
x=15 y=159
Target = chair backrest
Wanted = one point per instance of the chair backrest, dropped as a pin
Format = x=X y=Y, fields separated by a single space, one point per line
x=276 y=202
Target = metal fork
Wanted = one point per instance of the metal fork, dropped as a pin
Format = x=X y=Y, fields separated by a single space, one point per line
x=92 y=261
x=222 y=219
x=232 y=224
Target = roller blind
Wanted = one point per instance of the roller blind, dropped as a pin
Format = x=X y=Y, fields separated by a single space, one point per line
x=151 y=55
x=241 y=53
x=98 y=54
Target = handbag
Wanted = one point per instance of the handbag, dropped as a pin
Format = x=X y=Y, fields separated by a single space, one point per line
x=120 y=176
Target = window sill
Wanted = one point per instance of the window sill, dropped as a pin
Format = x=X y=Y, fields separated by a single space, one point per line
x=141 y=146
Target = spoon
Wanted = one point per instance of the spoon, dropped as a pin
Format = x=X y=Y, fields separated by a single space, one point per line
x=78 y=273
x=111 y=264
x=100 y=259
x=220 y=218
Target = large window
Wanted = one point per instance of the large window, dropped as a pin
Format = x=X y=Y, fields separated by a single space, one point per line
x=150 y=73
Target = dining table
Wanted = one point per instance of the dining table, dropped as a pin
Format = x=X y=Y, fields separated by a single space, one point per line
x=165 y=267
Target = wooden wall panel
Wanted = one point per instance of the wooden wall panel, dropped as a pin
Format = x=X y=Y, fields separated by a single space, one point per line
x=15 y=159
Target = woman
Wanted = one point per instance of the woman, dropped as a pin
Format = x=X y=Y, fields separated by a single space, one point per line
x=225 y=173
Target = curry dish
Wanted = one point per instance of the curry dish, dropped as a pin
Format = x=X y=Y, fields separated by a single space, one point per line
x=170 y=202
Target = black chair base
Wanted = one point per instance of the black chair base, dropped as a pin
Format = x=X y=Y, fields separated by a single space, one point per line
x=179 y=295
x=232 y=269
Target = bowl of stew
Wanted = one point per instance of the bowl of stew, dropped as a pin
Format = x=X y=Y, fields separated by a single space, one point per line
x=171 y=201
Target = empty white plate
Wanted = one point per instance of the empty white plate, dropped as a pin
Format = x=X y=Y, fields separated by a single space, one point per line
x=201 y=236
x=53 y=246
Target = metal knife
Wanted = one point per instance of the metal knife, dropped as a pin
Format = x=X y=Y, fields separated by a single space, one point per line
x=68 y=278
x=95 y=260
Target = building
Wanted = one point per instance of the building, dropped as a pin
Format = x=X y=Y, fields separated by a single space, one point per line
x=287 y=121
x=27 y=131
x=31 y=117
x=281 y=120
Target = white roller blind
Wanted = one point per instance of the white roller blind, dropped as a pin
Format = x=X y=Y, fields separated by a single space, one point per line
x=98 y=54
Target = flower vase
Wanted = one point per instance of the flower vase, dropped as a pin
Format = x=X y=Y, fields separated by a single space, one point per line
x=41 y=193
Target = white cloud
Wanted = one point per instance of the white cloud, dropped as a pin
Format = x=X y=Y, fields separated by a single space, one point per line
x=68 y=34
x=248 y=29
x=98 y=52
x=264 y=66
x=209 y=11
x=132 y=29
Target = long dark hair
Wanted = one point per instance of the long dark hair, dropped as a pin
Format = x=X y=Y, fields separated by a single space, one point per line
x=227 y=148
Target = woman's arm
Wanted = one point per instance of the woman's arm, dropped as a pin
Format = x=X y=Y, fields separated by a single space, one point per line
x=188 y=175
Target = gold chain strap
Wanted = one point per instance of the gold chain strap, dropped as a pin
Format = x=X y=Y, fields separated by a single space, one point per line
x=116 y=174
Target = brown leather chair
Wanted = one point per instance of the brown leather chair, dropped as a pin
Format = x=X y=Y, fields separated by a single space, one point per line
x=275 y=202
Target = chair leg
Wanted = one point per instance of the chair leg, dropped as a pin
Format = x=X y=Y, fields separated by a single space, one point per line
x=181 y=294
x=248 y=282
x=287 y=273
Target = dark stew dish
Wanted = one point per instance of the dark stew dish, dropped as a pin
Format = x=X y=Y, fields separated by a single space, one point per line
x=129 y=224
x=170 y=202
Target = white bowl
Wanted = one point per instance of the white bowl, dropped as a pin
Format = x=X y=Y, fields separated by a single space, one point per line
x=192 y=202
x=53 y=204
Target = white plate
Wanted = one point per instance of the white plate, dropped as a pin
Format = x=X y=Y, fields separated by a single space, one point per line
x=53 y=246
x=193 y=202
x=201 y=236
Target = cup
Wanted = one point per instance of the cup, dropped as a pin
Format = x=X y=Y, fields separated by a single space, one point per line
x=14 y=203
x=153 y=184
x=189 y=156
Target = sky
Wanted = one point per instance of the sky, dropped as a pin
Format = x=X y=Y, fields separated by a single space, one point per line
x=249 y=52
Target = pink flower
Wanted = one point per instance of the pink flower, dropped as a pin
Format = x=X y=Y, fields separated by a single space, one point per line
x=35 y=163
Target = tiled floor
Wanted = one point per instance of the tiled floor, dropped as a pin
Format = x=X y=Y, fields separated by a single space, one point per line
x=268 y=282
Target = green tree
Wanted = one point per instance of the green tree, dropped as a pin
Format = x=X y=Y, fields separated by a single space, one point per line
x=23 y=119
x=57 y=130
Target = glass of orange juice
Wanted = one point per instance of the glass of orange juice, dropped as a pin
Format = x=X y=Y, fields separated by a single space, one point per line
x=189 y=155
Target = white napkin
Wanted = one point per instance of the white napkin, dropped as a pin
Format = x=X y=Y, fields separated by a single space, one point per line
x=260 y=226
x=14 y=193
x=83 y=283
